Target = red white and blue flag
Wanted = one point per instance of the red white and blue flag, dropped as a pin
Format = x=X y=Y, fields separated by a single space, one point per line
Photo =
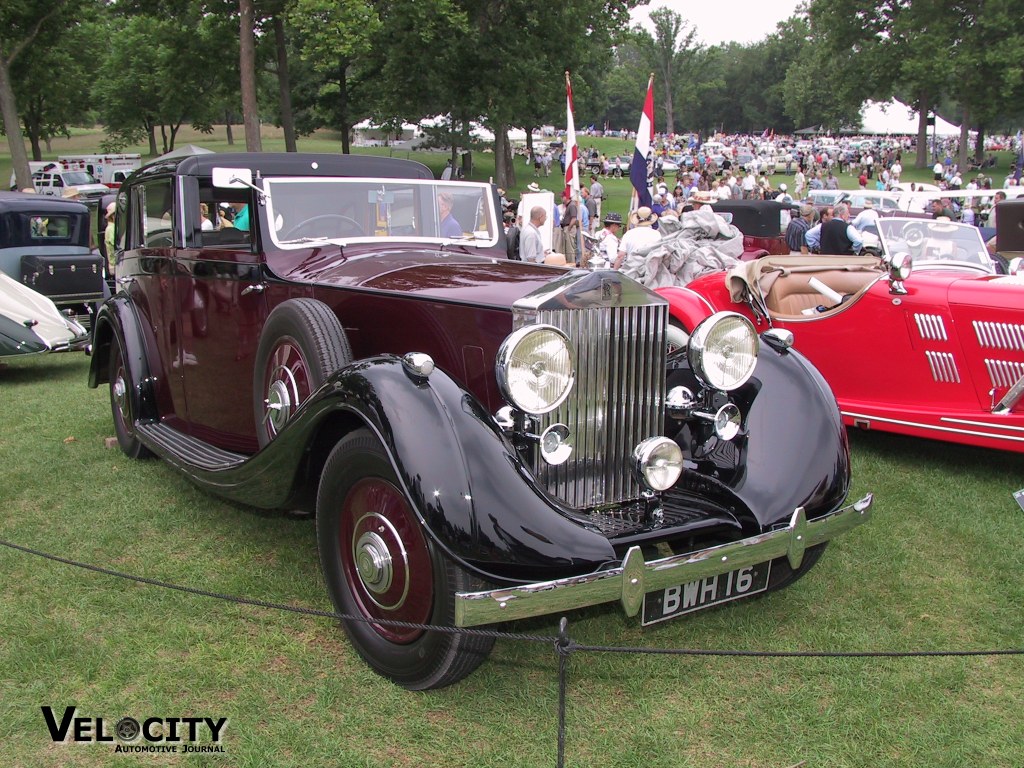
x=641 y=170
x=572 y=152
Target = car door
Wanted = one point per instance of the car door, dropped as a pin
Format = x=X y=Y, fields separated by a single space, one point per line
x=221 y=309
x=145 y=271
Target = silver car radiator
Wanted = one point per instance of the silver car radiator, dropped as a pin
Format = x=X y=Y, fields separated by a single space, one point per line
x=618 y=399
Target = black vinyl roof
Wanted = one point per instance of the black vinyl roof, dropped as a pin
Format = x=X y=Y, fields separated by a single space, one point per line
x=29 y=202
x=289 y=164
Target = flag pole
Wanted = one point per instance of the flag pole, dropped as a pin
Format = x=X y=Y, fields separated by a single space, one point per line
x=572 y=168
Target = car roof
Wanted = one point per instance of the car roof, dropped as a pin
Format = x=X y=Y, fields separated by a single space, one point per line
x=289 y=164
x=29 y=202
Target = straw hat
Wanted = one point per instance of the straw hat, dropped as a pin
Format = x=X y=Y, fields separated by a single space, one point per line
x=642 y=217
x=533 y=187
x=555 y=259
x=702 y=198
x=111 y=209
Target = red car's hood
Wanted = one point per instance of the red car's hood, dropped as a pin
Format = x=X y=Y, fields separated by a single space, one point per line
x=465 y=278
x=992 y=292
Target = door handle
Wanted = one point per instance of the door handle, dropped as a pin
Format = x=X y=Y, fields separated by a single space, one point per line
x=254 y=288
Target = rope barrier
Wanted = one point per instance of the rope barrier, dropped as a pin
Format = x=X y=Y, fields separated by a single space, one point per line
x=563 y=644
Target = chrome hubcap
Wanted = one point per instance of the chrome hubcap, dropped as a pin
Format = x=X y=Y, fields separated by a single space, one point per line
x=373 y=563
x=282 y=397
x=120 y=391
x=381 y=562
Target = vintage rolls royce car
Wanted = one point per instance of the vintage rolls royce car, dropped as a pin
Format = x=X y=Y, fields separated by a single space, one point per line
x=44 y=244
x=937 y=354
x=481 y=440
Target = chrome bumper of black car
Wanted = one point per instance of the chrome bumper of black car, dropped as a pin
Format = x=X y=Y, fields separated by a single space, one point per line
x=633 y=579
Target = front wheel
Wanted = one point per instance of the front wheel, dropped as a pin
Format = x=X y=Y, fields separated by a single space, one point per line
x=379 y=565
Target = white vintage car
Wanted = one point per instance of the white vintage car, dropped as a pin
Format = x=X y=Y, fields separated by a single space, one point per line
x=30 y=322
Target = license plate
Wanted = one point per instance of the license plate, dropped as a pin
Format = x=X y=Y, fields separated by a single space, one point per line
x=704 y=593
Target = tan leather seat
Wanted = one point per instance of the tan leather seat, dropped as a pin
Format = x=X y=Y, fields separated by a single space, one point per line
x=791 y=293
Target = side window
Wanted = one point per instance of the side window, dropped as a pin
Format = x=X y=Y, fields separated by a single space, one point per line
x=224 y=220
x=156 y=202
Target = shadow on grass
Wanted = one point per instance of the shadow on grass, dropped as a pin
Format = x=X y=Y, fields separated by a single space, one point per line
x=935 y=454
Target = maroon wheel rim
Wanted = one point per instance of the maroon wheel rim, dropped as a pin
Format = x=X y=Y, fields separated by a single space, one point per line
x=385 y=558
x=288 y=384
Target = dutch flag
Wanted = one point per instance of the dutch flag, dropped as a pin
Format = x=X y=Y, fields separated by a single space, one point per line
x=641 y=169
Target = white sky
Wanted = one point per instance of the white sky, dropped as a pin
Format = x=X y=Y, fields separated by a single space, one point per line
x=722 y=21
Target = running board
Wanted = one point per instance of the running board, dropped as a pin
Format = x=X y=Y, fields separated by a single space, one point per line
x=169 y=441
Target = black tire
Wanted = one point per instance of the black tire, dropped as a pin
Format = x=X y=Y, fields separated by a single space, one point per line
x=783 y=574
x=362 y=515
x=123 y=404
x=301 y=345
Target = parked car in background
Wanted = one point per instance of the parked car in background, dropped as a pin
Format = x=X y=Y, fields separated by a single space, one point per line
x=762 y=222
x=44 y=244
x=30 y=323
x=955 y=327
x=481 y=439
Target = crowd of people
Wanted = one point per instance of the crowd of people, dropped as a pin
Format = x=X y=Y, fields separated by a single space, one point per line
x=687 y=176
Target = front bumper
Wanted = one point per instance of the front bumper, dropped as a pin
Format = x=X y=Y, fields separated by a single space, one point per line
x=633 y=579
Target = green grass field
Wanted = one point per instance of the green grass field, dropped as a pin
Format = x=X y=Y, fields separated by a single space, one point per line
x=938 y=568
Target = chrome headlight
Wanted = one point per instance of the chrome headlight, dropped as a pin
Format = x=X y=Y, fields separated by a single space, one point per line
x=723 y=350
x=535 y=368
x=658 y=462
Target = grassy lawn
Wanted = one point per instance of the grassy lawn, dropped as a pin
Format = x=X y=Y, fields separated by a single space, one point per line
x=937 y=568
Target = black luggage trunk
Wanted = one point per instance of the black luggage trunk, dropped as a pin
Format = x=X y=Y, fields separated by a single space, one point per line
x=64 y=278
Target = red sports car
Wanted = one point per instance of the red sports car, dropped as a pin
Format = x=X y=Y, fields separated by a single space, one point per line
x=939 y=354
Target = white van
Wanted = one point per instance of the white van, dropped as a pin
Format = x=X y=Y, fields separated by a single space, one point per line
x=109 y=169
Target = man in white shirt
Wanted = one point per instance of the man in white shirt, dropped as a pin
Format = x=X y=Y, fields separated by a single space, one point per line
x=640 y=235
x=531 y=245
x=866 y=218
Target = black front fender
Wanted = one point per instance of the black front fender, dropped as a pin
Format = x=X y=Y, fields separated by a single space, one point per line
x=469 y=486
x=794 y=451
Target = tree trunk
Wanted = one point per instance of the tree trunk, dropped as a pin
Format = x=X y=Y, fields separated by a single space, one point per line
x=965 y=140
x=504 y=168
x=12 y=127
x=346 y=147
x=247 y=65
x=979 y=145
x=923 y=105
x=228 y=117
x=163 y=138
x=151 y=130
x=283 y=87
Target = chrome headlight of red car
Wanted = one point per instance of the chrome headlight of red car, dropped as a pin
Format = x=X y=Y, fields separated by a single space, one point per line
x=723 y=351
x=535 y=368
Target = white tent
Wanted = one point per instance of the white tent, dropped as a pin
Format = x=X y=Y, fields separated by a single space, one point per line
x=895 y=117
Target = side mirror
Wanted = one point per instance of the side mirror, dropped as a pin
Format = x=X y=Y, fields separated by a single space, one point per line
x=900 y=266
x=1016 y=267
x=232 y=178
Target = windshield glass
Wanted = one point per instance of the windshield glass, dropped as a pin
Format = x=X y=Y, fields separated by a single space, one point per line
x=305 y=210
x=935 y=243
x=78 y=177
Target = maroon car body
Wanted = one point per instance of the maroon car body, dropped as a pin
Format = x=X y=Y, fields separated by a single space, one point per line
x=481 y=439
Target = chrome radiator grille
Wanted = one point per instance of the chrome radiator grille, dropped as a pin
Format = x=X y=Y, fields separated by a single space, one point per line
x=618 y=400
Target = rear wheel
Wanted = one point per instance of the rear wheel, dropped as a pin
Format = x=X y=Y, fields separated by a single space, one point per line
x=123 y=402
x=380 y=565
